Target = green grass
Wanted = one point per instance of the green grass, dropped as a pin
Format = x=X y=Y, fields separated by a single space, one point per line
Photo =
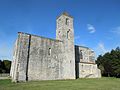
x=79 y=84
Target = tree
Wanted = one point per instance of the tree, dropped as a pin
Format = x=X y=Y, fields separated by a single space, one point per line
x=5 y=66
x=0 y=66
x=109 y=63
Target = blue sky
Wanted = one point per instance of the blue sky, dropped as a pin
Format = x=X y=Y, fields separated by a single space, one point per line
x=96 y=22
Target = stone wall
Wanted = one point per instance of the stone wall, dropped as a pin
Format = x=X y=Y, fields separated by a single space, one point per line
x=85 y=63
x=13 y=61
x=39 y=58
x=84 y=54
x=86 y=70
x=20 y=58
x=46 y=59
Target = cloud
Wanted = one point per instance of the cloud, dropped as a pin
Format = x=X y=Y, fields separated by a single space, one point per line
x=116 y=30
x=91 y=28
x=100 y=49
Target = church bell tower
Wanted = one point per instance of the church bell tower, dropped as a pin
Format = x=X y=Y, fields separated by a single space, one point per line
x=64 y=26
x=65 y=33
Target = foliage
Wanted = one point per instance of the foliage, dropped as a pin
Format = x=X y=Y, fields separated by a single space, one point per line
x=5 y=66
x=109 y=63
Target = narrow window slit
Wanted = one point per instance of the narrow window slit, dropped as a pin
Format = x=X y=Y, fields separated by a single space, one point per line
x=68 y=34
x=49 y=51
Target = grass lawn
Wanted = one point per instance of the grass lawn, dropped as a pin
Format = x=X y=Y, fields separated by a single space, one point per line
x=79 y=84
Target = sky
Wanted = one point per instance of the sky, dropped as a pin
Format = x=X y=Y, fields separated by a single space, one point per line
x=96 y=22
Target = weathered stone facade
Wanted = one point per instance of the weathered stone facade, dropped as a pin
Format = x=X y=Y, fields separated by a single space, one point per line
x=39 y=58
x=85 y=63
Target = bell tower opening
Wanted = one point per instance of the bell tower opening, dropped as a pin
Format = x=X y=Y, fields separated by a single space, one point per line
x=64 y=27
x=67 y=21
x=68 y=34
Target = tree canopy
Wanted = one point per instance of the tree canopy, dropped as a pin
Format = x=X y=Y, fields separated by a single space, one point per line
x=5 y=66
x=109 y=63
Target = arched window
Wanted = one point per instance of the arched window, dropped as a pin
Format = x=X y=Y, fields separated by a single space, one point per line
x=81 y=54
x=67 y=21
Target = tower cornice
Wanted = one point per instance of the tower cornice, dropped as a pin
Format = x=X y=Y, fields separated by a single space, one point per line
x=66 y=14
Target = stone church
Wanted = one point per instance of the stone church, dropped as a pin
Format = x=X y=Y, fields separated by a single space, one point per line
x=41 y=58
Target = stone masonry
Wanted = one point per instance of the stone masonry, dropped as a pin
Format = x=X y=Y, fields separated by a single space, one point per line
x=40 y=58
x=85 y=63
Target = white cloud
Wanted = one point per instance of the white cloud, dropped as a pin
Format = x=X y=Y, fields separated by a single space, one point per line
x=100 y=49
x=91 y=28
x=116 y=30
